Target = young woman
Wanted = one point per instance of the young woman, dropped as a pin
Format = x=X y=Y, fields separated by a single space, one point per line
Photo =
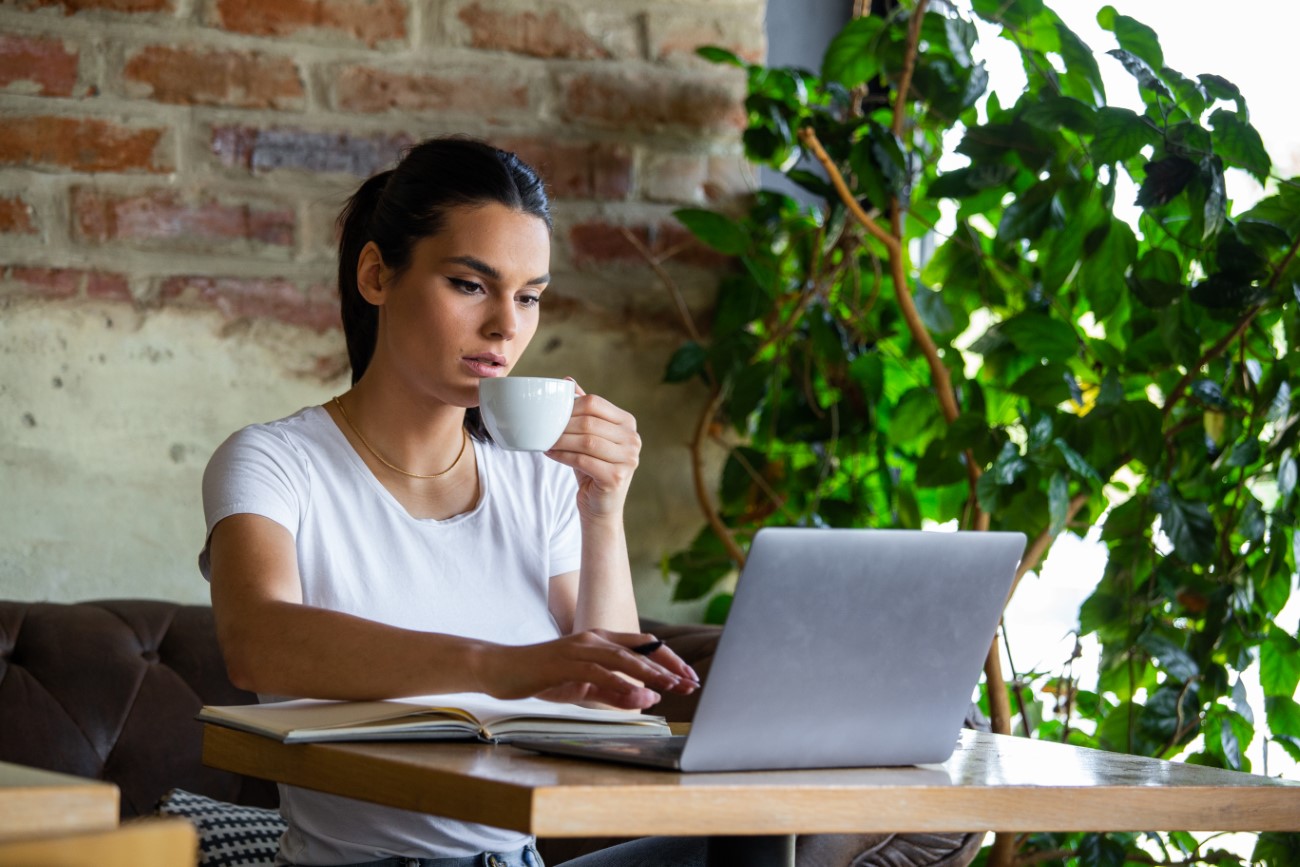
x=381 y=545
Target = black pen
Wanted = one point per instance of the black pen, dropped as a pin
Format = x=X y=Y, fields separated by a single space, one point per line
x=649 y=647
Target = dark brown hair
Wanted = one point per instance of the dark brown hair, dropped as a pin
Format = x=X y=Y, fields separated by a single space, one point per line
x=399 y=207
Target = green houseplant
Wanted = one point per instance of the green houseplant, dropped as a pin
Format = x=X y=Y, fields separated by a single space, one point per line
x=1046 y=367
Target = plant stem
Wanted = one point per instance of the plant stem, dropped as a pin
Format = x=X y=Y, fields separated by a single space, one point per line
x=909 y=65
x=702 y=488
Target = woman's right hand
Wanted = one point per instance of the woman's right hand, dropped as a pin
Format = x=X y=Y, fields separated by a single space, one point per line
x=593 y=666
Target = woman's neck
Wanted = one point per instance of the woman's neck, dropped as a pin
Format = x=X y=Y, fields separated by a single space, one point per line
x=407 y=433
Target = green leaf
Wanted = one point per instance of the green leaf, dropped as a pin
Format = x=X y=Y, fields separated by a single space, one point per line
x=916 y=418
x=1054 y=112
x=1082 y=76
x=1283 y=715
x=1279 y=664
x=717 y=54
x=1041 y=336
x=686 y=362
x=1098 y=850
x=1031 y=214
x=1237 y=142
x=1286 y=475
x=1132 y=35
x=1173 y=659
x=1058 y=503
x=1187 y=524
x=1208 y=392
x=1157 y=279
x=1076 y=462
x=1047 y=385
x=718 y=608
x=699 y=567
x=1121 y=133
x=1141 y=70
x=1231 y=745
x=1165 y=179
x=1276 y=850
x=851 y=58
x=933 y=312
x=714 y=229
x=1101 y=276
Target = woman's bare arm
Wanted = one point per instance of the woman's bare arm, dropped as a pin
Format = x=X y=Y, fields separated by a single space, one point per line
x=275 y=644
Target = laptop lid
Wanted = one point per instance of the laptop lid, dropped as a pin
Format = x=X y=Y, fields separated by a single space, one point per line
x=851 y=648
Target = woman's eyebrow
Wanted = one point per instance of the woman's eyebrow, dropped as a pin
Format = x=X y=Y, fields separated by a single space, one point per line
x=492 y=273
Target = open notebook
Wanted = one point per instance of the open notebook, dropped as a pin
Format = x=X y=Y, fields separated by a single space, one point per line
x=455 y=716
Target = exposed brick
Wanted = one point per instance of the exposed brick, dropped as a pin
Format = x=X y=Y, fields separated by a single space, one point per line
x=36 y=65
x=366 y=90
x=107 y=287
x=553 y=34
x=264 y=150
x=62 y=283
x=15 y=216
x=368 y=21
x=693 y=178
x=71 y=6
x=578 y=170
x=161 y=217
x=627 y=99
x=674 y=177
x=81 y=145
x=192 y=76
x=674 y=38
x=728 y=177
x=315 y=307
x=596 y=243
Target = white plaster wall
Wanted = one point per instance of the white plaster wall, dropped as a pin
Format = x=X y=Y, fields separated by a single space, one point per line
x=108 y=415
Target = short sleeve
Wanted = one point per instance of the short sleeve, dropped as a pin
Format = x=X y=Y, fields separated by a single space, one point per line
x=257 y=472
x=565 y=554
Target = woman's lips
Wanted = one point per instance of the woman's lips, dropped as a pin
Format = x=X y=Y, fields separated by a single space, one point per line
x=484 y=366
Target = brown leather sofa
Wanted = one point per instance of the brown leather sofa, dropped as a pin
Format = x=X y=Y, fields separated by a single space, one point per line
x=109 y=690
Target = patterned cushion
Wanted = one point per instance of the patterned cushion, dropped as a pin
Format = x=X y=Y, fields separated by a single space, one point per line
x=229 y=835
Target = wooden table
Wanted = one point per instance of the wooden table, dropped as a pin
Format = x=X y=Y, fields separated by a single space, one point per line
x=991 y=783
x=34 y=802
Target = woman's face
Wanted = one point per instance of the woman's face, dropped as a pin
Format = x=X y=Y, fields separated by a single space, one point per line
x=467 y=306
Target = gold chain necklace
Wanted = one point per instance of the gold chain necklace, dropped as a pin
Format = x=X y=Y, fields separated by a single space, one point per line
x=464 y=440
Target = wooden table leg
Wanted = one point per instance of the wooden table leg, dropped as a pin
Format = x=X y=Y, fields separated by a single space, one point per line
x=773 y=851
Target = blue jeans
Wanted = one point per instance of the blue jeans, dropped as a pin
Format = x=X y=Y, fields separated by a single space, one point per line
x=525 y=857
x=646 y=852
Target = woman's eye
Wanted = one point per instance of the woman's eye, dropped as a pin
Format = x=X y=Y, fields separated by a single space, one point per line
x=530 y=300
x=466 y=286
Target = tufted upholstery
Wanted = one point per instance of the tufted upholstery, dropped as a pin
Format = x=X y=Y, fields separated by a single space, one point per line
x=109 y=690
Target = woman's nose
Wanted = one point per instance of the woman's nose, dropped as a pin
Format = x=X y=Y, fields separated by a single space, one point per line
x=502 y=322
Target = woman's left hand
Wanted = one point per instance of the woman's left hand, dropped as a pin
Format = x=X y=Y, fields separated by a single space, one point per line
x=603 y=447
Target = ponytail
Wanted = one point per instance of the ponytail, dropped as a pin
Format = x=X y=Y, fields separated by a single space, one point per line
x=361 y=317
x=397 y=208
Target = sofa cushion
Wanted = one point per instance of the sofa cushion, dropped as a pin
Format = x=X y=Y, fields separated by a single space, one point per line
x=229 y=835
x=109 y=690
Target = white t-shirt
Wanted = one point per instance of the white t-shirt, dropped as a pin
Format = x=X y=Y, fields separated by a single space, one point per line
x=482 y=574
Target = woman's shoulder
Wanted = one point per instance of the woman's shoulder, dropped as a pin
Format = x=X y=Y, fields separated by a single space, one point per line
x=289 y=437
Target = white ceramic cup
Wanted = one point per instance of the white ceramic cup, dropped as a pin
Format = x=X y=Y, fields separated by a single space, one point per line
x=525 y=413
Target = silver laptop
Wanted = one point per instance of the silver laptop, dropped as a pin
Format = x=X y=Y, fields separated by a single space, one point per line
x=843 y=648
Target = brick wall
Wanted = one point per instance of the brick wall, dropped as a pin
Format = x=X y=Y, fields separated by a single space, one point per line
x=182 y=161
x=195 y=152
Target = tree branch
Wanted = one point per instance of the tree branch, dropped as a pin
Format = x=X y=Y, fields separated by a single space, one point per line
x=909 y=65
x=702 y=489
x=1227 y=340
x=682 y=310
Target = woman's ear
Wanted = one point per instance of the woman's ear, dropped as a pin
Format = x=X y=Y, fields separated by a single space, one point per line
x=370 y=273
